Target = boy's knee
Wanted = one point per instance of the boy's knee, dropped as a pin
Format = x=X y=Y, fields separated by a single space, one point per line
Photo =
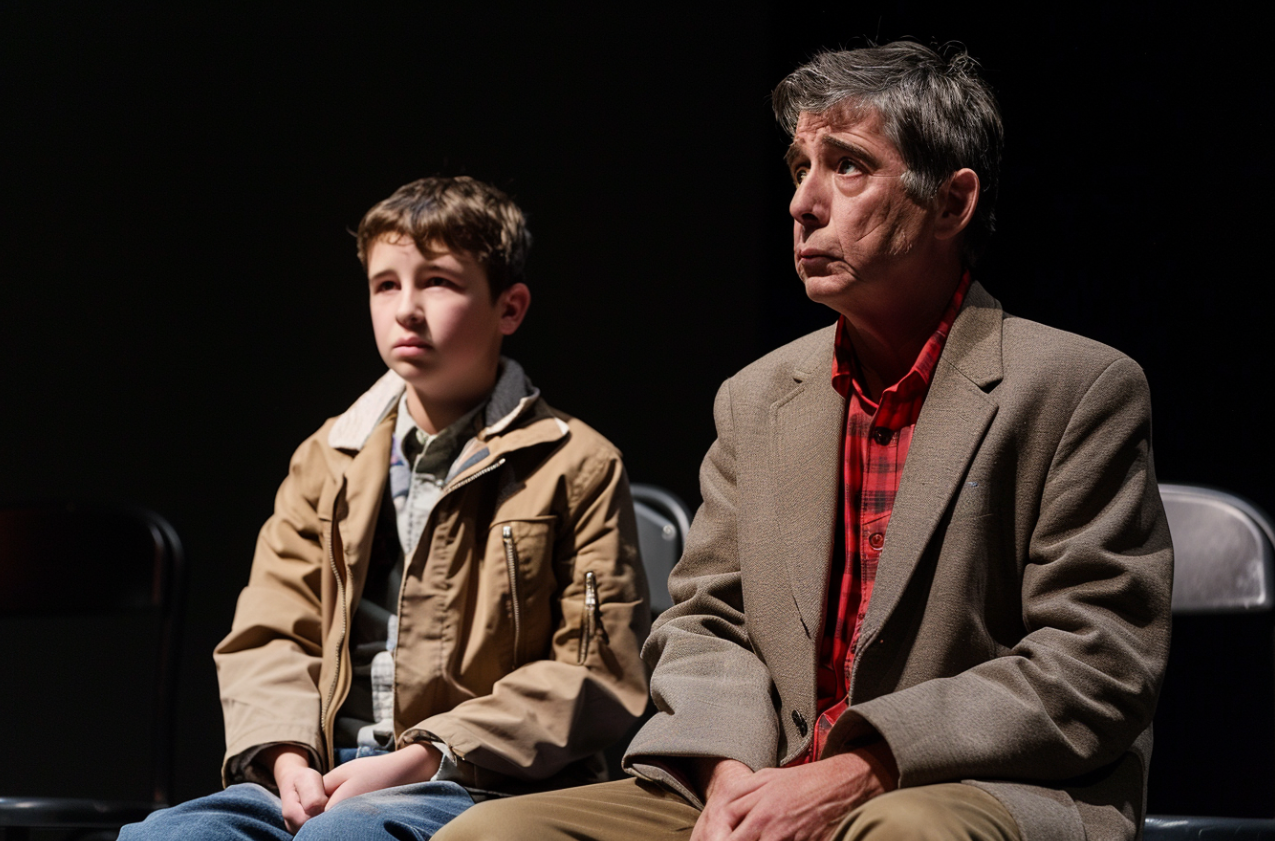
x=246 y=810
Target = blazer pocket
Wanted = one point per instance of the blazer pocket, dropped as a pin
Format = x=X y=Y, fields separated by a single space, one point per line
x=972 y=500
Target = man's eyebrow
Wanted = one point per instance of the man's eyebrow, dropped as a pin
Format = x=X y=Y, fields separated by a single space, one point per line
x=796 y=152
x=853 y=148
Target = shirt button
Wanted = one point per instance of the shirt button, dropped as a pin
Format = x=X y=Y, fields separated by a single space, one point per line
x=882 y=434
x=876 y=540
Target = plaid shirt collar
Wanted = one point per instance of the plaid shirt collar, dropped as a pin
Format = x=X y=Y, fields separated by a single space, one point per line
x=909 y=390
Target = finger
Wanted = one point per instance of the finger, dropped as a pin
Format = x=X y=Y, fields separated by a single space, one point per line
x=738 y=816
x=293 y=815
x=335 y=778
x=311 y=792
x=344 y=791
x=709 y=827
x=718 y=819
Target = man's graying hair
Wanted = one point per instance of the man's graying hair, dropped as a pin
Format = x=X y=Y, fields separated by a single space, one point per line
x=936 y=110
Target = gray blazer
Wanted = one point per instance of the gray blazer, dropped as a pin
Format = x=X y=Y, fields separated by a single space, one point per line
x=1019 y=623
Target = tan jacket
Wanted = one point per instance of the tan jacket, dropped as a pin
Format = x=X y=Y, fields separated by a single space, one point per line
x=1019 y=623
x=498 y=656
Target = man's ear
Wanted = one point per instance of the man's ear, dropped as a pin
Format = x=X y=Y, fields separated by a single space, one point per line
x=957 y=200
x=512 y=305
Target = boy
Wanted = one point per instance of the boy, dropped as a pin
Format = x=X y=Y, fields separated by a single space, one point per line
x=447 y=603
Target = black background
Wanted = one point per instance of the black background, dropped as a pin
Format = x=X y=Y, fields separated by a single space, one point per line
x=182 y=303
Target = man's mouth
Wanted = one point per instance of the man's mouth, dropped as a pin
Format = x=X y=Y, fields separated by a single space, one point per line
x=804 y=254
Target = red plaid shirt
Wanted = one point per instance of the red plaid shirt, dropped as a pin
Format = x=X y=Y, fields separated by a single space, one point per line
x=875 y=446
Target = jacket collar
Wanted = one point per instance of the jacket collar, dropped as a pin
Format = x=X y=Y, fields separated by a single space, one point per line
x=512 y=399
x=974 y=345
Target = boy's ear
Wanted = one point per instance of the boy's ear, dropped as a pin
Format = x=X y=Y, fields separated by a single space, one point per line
x=512 y=304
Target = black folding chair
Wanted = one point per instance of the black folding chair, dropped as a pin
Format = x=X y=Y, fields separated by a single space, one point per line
x=89 y=611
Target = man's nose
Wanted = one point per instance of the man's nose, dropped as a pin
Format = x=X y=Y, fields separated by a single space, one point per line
x=809 y=205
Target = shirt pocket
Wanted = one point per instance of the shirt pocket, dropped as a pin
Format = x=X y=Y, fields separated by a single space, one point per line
x=520 y=554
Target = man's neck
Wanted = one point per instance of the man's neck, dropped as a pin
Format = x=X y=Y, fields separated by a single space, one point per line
x=888 y=337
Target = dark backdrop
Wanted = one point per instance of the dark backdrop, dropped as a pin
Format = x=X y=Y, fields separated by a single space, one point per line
x=183 y=305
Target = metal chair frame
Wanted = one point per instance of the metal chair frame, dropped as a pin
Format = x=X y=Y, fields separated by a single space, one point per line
x=1224 y=563
x=20 y=814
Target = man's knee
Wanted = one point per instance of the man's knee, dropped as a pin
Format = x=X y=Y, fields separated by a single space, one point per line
x=947 y=812
x=624 y=810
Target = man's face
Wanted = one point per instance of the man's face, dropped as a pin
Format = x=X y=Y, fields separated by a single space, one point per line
x=434 y=320
x=857 y=236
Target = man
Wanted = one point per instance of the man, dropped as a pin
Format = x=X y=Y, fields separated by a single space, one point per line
x=928 y=590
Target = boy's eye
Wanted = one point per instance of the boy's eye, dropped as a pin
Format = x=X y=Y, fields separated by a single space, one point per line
x=799 y=174
x=438 y=281
x=386 y=286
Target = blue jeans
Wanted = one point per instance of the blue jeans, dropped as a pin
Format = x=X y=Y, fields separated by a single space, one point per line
x=248 y=812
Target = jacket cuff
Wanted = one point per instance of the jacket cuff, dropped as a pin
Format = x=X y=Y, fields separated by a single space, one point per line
x=244 y=767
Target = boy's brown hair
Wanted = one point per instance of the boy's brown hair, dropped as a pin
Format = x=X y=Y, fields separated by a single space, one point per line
x=460 y=213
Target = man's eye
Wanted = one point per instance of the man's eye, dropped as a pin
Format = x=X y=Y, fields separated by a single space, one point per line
x=799 y=174
x=845 y=166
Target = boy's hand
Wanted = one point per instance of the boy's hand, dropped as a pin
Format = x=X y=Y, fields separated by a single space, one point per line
x=300 y=786
x=414 y=763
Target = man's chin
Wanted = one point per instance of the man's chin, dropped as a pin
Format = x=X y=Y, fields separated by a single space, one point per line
x=828 y=289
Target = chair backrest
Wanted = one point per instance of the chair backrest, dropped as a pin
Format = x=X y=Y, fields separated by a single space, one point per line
x=1224 y=551
x=663 y=521
x=1214 y=728
x=89 y=605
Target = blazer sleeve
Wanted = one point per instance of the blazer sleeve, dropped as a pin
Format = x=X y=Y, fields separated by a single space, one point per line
x=1081 y=684
x=713 y=695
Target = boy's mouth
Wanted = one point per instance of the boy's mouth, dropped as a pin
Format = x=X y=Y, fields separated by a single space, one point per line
x=412 y=341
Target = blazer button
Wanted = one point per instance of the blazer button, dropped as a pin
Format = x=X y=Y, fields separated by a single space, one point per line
x=799 y=720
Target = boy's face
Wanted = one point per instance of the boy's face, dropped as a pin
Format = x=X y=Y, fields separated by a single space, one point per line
x=435 y=322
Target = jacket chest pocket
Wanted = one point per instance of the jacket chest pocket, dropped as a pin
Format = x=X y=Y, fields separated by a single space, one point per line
x=520 y=566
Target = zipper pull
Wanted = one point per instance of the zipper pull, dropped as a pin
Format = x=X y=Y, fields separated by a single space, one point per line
x=590 y=615
x=511 y=561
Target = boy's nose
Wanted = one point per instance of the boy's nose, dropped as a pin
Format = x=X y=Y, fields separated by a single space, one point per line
x=411 y=310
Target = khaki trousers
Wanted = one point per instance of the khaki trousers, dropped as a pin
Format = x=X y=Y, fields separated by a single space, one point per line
x=634 y=810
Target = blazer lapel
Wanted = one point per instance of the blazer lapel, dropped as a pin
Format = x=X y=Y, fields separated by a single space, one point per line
x=953 y=421
x=806 y=429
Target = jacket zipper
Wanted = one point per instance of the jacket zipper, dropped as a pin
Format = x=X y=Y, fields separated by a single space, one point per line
x=340 y=644
x=590 y=613
x=463 y=482
x=511 y=560
x=407 y=561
